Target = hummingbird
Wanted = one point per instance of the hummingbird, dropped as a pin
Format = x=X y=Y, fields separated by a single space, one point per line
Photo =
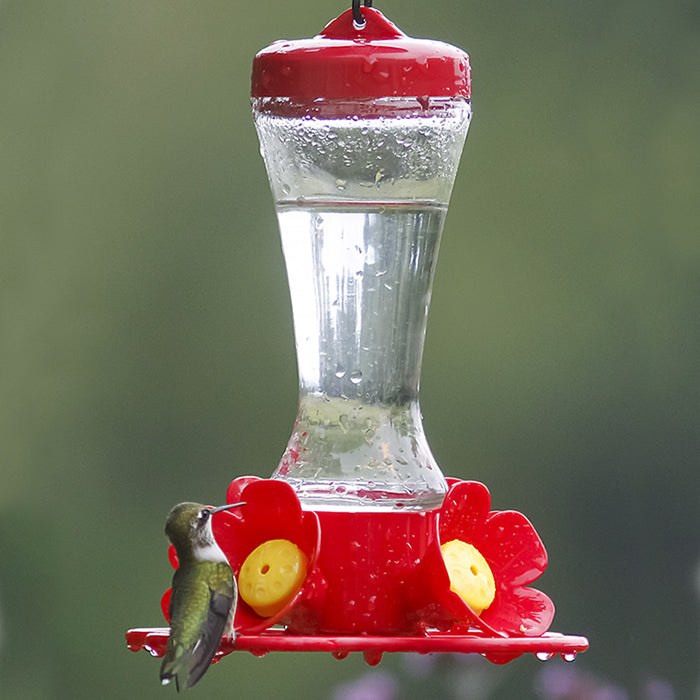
x=204 y=595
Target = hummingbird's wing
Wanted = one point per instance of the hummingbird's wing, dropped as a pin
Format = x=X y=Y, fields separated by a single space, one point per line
x=222 y=604
x=198 y=616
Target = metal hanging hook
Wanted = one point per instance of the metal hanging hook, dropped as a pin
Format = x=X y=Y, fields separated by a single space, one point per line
x=357 y=15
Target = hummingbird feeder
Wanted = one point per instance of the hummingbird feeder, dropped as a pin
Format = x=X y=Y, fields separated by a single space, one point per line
x=358 y=542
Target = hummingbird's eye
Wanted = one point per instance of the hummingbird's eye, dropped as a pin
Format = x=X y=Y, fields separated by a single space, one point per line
x=203 y=515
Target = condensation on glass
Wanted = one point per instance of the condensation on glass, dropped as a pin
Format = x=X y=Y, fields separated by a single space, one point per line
x=361 y=190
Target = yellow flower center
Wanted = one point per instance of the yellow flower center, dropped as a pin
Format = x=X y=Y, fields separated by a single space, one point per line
x=271 y=575
x=470 y=576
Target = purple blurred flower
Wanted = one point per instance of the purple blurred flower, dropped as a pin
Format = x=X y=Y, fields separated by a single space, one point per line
x=564 y=682
x=556 y=682
x=657 y=689
x=377 y=685
x=419 y=665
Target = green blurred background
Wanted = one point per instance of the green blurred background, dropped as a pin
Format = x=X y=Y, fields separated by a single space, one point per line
x=146 y=338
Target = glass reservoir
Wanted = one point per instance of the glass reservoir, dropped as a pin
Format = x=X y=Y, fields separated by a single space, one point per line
x=361 y=186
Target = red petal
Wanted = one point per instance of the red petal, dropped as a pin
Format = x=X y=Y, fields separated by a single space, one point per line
x=520 y=612
x=233 y=494
x=308 y=539
x=231 y=534
x=272 y=510
x=513 y=549
x=464 y=512
x=165 y=603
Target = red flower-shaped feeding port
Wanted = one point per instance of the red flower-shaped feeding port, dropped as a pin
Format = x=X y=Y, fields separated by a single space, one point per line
x=378 y=581
x=514 y=552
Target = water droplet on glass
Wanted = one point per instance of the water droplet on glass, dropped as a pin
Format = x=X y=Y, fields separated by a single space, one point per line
x=543 y=655
x=340 y=371
x=569 y=657
x=356 y=376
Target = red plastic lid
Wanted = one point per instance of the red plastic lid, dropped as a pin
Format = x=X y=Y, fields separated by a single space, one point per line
x=349 y=61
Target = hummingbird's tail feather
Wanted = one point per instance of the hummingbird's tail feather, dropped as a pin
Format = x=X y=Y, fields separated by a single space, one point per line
x=165 y=680
x=220 y=608
x=176 y=666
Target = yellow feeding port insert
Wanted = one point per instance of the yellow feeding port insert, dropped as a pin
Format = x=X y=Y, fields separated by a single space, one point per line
x=470 y=576
x=271 y=575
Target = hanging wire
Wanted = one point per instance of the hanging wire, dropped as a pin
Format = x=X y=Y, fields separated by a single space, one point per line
x=357 y=15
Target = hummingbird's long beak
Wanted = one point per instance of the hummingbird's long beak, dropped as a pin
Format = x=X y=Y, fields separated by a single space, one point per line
x=227 y=507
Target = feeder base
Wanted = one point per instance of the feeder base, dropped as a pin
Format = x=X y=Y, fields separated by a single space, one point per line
x=498 y=650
